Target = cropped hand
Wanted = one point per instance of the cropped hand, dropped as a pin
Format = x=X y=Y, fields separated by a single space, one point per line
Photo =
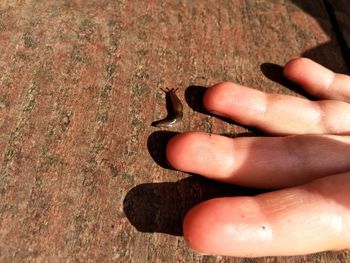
x=305 y=160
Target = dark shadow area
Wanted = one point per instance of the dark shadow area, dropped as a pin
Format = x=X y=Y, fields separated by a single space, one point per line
x=324 y=11
x=324 y=55
x=161 y=207
x=156 y=145
x=194 y=97
x=274 y=72
x=339 y=6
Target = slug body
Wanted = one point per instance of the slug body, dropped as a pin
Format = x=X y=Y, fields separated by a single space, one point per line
x=175 y=110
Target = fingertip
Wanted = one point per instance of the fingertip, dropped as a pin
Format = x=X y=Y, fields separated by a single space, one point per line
x=200 y=228
x=190 y=229
x=292 y=68
x=215 y=95
x=199 y=152
x=177 y=149
x=173 y=150
x=314 y=78
x=224 y=226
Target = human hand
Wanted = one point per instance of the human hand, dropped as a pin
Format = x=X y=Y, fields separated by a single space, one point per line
x=309 y=162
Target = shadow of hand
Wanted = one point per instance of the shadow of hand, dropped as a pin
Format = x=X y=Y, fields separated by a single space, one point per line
x=161 y=207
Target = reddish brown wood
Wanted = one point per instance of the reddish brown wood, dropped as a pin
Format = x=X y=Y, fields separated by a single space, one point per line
x=79 y=87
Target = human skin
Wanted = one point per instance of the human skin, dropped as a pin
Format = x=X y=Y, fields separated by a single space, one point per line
x=305 y=161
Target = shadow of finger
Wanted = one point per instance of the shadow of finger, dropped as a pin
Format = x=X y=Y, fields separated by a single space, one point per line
x=161 y=207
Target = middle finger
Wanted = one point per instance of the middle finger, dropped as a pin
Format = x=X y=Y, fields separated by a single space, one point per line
x=260 y=162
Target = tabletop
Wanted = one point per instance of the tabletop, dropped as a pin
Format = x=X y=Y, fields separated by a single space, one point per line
x=83 y=176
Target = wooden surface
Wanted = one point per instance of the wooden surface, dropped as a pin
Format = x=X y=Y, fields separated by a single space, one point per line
x=82 y=172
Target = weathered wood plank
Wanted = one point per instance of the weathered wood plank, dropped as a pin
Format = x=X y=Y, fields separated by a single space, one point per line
x=81 y=176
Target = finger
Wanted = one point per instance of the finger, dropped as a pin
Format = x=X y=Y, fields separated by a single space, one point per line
x=278 y=114
x=294 y=221
x=318 y=80
x=260 y=162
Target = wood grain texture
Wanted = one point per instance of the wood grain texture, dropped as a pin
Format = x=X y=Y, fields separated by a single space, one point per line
x=82 y=172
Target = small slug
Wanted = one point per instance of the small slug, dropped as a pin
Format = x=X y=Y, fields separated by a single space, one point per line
x=174 y=107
